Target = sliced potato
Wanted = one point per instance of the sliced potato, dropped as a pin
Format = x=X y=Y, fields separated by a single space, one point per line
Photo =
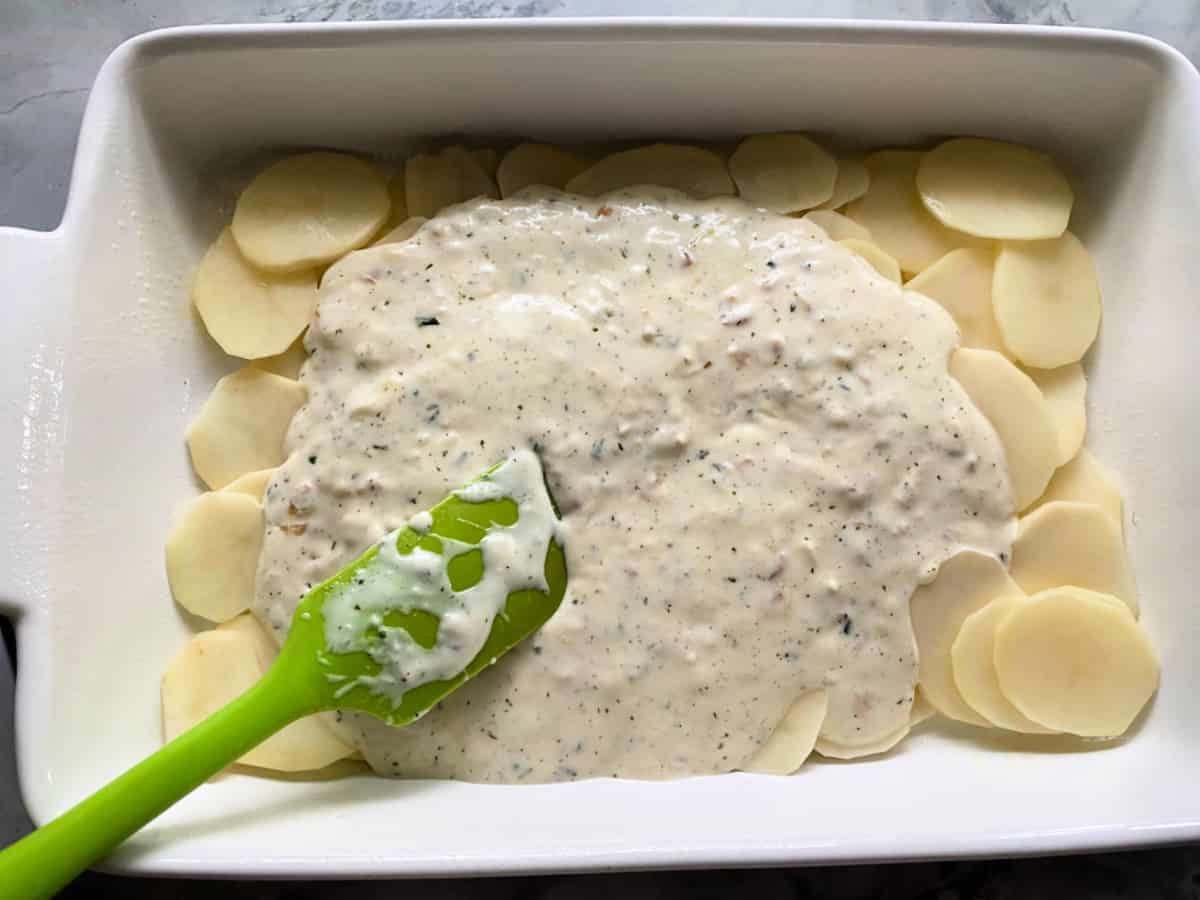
x=792 y=740
x=922 y=710
x=288 y=363
x=488 y=160
x=1065 y=389
x=1085 y=480
x=993 y=189
x=309 y=738
x=527 y=164
x=253 y=484
x=212 y=554
x=305 y=745
x=965 y=583
x=242 y=424
x=1047 y=300
x=476 y=182
x=783 y=172
x=961 y=282
x=1073 y=662
x=306 y=211
x=250 y=313
x=696 y=172
x=1065 y=543
x=1010 y=400
x=399 y=197
x=880 y=261
x=852 y=182
x=834 y=750
x=214 y=668
x=837 y=226
x=403 y=231
x=975 y=670
x=264 y=645
x=892 y=211
x=431 y=183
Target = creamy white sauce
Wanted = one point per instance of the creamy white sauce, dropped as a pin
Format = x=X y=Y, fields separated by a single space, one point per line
x=513 y=560
x=752 y=437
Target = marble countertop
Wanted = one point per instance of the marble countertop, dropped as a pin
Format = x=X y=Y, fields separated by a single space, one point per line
x=50 y=51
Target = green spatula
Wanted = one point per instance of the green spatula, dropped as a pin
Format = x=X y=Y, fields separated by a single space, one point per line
x=405 y=627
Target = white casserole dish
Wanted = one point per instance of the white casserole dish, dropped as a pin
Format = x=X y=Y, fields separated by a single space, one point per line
x=103 y=367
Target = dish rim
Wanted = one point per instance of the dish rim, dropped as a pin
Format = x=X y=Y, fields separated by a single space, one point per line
x=881 y=31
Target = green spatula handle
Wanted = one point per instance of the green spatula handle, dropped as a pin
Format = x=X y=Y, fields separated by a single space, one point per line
x=45 y=861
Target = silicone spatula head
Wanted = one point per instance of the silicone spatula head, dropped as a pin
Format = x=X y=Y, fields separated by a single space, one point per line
x=374 y=637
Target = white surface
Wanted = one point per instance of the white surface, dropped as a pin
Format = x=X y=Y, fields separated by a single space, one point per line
x=105 y=367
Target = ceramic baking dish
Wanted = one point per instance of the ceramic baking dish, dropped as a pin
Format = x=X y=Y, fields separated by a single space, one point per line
x=103 y=367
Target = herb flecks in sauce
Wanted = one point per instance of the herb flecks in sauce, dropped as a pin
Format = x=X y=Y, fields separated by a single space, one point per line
x=756 y=464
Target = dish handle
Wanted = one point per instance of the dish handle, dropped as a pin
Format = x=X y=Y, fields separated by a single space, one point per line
x=32 y=309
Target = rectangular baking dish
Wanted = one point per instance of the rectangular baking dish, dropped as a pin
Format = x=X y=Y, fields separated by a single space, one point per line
x=103 y=367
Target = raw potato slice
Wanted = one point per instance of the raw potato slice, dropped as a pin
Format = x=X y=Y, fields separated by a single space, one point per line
x=880 y=261
x=306 y=211
x=837 y=226
x=1047 y=300
x=993 y=189
x=253 y=484
x=961 y=281
x=211 y=669
x=287 y=363
x=1065 y=543
x=242 y=424
x=527 y=164
x=922 y=710
x=399 y=197
x=792 y=740
x=475 y=181
x=1073 y=662
x=266 y=651
x=431 y=183
x=975 y=670
x=965 y=583
x=488 y=160
x=249 y=313
x=265 y=647
x=1085 y=480
x=215 y=667
x=698 y=173
x=212 y=554
x=1010 y=400
x=403 y=231
x=783 y=172
x=834 y=750
x=1065 y=389
x=899 y=223
x=853 y=179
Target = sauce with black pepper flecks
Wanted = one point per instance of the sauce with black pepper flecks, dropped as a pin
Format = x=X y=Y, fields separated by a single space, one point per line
x=752 y=436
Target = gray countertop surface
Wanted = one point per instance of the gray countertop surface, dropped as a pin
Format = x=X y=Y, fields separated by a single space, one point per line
x=50 y=51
